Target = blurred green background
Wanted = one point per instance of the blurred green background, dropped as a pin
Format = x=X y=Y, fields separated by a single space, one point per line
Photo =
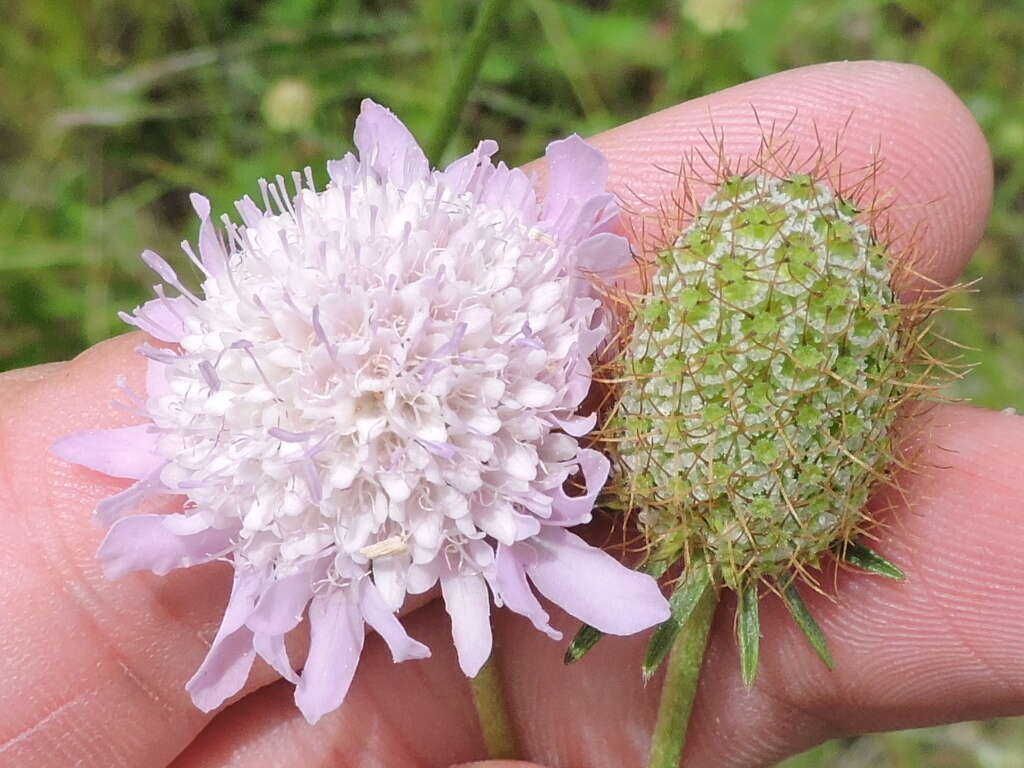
x=110 y=112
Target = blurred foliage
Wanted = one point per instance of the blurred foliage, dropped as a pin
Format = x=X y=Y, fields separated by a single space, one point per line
x=111 y=111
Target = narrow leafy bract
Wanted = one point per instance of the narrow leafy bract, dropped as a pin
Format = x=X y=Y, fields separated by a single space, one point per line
x=683 y=602
x=748 y=632
x=867 y=559
x=802 y=616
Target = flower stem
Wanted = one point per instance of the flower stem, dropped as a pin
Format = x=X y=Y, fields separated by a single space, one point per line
x=472 y=58
x=492 y=710
x=680 y=686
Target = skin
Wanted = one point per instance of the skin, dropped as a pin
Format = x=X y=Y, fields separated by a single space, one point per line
x=94 y=671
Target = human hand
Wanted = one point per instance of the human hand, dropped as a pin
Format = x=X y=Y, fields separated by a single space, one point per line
x=94 y=671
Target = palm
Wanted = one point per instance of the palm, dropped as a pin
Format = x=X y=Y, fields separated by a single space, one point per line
x=94 y=670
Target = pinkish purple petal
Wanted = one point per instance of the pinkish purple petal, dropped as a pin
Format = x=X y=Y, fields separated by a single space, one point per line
x=578 y=386
x=223 y=672
x=161 y=318
x=591 y=338
x=156 y=379
x=511 y=187
x=383 y=620
x=593 y=586
x=211 y=251
x=123 y=452
x=113 y=507
x=576 y=172
x=226 y=666
x=574 y=510
x=603 y=252
x=144 y=542
x=460 y=174
x=186 y=524
x=576 y=425
x=389 y=578
x=336 y=640
x=249 y=211
x=467 y=602
x=385 y=144
x=282 y=603
x=271 y=649
x=510 y=579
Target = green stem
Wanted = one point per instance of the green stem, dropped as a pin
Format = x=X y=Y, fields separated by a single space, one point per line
x=492 y=710
x=480 y=37
x=680 y=686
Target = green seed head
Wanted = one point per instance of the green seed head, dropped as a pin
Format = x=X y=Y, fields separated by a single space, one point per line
x=762 y=375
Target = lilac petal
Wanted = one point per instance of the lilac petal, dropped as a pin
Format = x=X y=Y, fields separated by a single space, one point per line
x=187 y=524
x=227 y=664
x=156 y=379
x=336 y=640
x=385 y=144
x=211 y=251
x=389 y=575
x=510 y=579
x=576 y=172
x=508 y=188
x=459 y=174
x=467 y=602
x=143 y=542
x=580 y=377
x=590 y=338
x=161 y=318
x=573 y=510
x=123 y=452
x=595 y=214
x=282 y=604
x=223 y=672
x=419 y=577
x=600 y=213
x=272 y=650
x=249 y=211
x=111 y=508
x=593 y=586
x=383 y=620
x=603 y=252
x=576 y=425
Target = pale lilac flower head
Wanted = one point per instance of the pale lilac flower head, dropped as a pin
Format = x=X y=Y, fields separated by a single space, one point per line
x=375 y=393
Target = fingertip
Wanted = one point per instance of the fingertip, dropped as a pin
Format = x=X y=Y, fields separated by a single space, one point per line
x=898 y=125
x=941 y=168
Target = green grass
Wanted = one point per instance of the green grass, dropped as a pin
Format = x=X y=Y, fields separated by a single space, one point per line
x=112 y=111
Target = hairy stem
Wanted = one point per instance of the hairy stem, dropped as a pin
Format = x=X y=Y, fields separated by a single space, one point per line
x=480 y=37
x=680 y=686
x=492 y=710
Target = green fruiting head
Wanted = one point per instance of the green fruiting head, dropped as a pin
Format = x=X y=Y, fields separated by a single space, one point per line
x=762 y=374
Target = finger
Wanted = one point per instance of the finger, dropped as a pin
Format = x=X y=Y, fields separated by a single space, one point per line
x=30 y=374
x=941 y=646
x=933 y=168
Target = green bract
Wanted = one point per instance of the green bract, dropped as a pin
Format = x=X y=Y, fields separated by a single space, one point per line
x=762 y=375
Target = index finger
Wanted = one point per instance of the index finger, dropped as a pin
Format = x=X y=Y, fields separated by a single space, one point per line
x=930 y=163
